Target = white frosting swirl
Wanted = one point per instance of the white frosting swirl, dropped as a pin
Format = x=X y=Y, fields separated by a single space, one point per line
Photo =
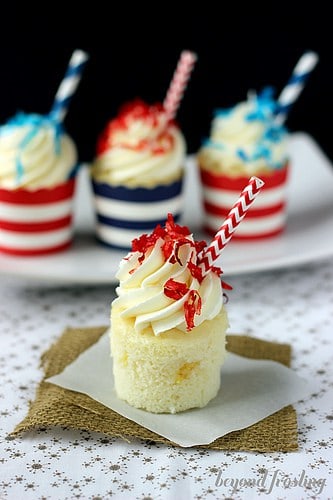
x=140 y=149
x=141 y=293
x=32 y=155
x=245 y=140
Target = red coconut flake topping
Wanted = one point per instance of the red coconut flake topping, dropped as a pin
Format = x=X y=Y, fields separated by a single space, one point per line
x=136 y=110
x=192 y=307
x=174 y=237
x=174 y=289
x=226 y=285
x=195 y=271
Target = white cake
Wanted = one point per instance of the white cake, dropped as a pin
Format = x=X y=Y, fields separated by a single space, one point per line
x=171 y=372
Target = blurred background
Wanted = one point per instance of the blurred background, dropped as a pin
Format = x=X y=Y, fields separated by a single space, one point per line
x=133 y=54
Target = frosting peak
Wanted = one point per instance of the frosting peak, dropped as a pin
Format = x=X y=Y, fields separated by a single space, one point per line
x=246 y=139
x=139 y=147
x=35 y=152
x=161 y=284
x=138 y=126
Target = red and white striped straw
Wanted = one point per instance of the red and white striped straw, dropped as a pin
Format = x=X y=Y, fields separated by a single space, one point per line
x=235 y=216
x=179 y=83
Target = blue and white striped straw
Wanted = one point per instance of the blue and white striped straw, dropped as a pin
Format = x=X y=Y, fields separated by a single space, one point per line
x=295 y=85
x=68 y=85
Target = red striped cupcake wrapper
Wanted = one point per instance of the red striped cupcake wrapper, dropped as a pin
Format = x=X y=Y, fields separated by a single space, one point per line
x=265 y=218
x=36 y=222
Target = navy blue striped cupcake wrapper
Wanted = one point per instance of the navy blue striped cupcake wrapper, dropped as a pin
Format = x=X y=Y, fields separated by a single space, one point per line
x=126 y=213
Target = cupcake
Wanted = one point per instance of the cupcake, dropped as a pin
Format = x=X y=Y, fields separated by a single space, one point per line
x=246 y=140
x=168 y=323
x=138 y=171
x=137 y=174
x=38 y=163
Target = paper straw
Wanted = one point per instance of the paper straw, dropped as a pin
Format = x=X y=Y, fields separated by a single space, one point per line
x=295 y=85
x=178 y=83
x=234 y=217
x=69 y=85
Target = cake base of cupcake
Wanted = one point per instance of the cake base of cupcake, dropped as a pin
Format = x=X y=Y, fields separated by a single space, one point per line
x=265 y=219
x=36 y=222
x=124 y=213
x=171 y=372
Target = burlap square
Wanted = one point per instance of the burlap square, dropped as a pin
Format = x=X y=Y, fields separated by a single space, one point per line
x=55 y=406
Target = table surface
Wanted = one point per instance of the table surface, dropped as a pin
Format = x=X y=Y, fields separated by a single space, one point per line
x=293 y=306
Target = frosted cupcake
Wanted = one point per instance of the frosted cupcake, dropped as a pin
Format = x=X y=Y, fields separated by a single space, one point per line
x=168 y=324
x=138 y=171
x=38 y=163
x=246 y=140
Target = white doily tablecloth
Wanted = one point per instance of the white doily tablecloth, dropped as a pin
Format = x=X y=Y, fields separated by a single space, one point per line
x=293 y=306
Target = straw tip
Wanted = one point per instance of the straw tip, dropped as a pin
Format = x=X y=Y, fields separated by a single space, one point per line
x=313 y=54
x=79 y=56
x=189 y=54
x=309 y=60
x=258 y=182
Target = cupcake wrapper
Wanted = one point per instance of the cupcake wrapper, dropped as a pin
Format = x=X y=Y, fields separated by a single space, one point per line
x=126 y=213
x=267 y=216
x=36 y=222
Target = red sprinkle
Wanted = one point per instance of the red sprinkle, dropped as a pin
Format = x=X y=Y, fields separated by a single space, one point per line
x=195 y=271
x=175 y=230
x=226 y=286
x=192 y=307
x=174 y=289
x=134 y=111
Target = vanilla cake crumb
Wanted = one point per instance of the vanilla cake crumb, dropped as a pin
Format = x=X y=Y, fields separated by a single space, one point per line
x=171 y=372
